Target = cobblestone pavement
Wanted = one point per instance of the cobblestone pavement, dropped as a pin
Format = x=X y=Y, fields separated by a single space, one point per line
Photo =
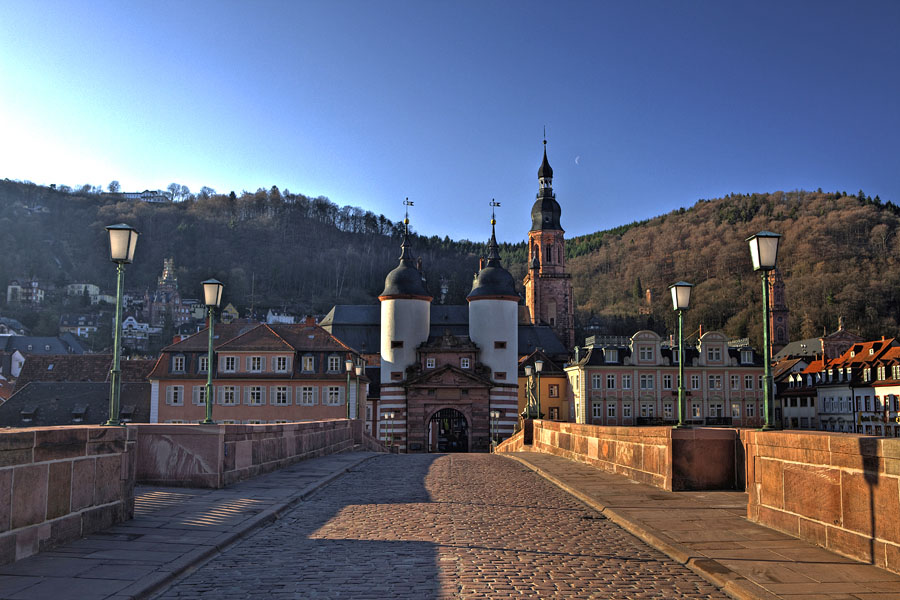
x=441 y=526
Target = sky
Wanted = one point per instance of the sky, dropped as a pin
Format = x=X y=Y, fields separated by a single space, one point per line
x=648 y=106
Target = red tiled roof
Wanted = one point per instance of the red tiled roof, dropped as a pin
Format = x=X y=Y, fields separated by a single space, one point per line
x=305 y=337
x=261 y=338
x=222 y=334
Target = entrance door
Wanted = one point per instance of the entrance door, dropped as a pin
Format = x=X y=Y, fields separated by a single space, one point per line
x=448 y=431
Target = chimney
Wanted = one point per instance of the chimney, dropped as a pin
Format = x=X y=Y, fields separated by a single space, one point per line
x=481 y=263
x=310 y=320
x=701 y=329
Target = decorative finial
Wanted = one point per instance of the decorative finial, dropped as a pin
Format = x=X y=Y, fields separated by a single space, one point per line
x=493 y=218
x=545 y=135
x=407 y=204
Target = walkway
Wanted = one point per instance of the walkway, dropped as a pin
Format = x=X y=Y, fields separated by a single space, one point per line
x=708 y=531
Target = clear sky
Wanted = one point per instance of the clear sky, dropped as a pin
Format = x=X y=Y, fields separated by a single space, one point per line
x=648 y=106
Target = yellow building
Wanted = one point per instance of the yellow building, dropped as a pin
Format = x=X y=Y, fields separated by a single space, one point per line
x=553 y=397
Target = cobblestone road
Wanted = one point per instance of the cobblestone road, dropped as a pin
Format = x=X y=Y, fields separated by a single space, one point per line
x=441 y=526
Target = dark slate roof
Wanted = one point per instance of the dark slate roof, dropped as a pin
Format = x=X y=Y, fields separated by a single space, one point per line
x=543 y=337
x=544 y=170
x=80 y=367
x=353 y=314
x=12 y=324
x=550 y=367
x=405 y=280
x=88 y=320
x=53 y=403
x=493 y=281
x=262 y=337
x=808 y=347
x=65 y=344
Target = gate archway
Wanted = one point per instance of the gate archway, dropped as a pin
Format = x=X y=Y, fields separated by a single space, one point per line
x=448 y=431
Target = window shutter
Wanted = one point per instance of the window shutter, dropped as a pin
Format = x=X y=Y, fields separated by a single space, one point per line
x=247 y=395
x=262 y=398
x=220 y=396
x=271 y=396
x=195 y=395
x=315 y=395
x=169 y=395
x=288 y=396
x=341 y=398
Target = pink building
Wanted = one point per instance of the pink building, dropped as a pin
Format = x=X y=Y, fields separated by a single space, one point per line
x=634 y=381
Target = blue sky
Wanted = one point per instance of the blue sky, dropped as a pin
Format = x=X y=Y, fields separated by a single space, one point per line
x=649 y=106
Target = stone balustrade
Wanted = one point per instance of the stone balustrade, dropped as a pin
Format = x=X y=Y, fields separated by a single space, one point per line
x=60 y=483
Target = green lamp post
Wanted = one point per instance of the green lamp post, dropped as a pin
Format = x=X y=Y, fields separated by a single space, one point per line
x=764 y=254
x=212 y=297
x=348 y=364
x=681 y=300
x=122 y=241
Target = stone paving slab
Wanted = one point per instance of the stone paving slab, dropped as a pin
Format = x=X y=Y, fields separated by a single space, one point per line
x=709 y=533
x=174 y=529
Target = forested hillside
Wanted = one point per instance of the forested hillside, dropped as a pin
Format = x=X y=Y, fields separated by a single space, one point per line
x=839 y=255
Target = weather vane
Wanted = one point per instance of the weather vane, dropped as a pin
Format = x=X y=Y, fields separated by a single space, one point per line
x=493 y=204
x=407 y=204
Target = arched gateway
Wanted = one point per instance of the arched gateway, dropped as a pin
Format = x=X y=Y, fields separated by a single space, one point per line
x=448 y=431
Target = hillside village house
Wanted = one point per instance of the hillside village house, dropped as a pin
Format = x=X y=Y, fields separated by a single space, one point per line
x=262 y=374
x=634 y=381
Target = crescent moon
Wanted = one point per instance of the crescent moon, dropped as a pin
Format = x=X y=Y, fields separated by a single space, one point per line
x=578 y=160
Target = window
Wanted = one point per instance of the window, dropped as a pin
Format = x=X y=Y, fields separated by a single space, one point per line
x=334 y=364
x=554 y=413
x=253 y=422
x=610 y=382
x=429 y=363
x=230 y=364
x=750 y=409
x=626 y=411
x=735 y=382
x=647 y=410
x=695 y=382
x=667 y=382
x=696 y=410
x=499 y=345
x=178 y=364
x=281 y=364
x=553 y=389
x=396 y=343
x=254 y=395
x=199 y=395
x=228 y=422
x=396 y=375
x=500 y=375
x=175 y=395
x=596 y=381
x=647 y=382
x=229 y=395
x=668 y=410
x=746 y=357
x=715 y=382
x=610 y=411
x=748 y=382
x=333 y=395
x=309 y=364
x=282 y=396
x=626 y=382
x=646 y=353
x=867 y=374
x=761 y=382
x=611 y=355
x=597 y=410
x=464 y=363
x=714 y=354
x=203 y=366
x=307 y=395
x=255 y=364
x=735 y=410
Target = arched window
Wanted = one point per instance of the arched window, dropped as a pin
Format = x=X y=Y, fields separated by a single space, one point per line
x=550 y=253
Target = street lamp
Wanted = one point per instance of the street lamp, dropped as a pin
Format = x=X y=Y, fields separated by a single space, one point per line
x=495 y=414
x=764 y=253
x=538 y=367
x=348 y=364
x=390 y=417
x=529 y=392
x=122 y=241
x=212 y=298
x=681 y=300
x=360 y=408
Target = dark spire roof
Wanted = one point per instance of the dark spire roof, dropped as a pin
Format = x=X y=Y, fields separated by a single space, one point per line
x=545 y=212
x=493 y=281
x=405 y=281
x=545 y=171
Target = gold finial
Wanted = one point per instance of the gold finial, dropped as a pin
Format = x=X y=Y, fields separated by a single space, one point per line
x=493 y=218
x=407 y=204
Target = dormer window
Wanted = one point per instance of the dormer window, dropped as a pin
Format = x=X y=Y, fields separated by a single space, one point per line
x=611 y=355
x=334 y=363
x=178 y=364
x=646 y=353
x=464 y=363
x=871 y=351
x=309 y=364
x=746 y=357
x=714 y=354
x=429 y=363
x=867 y=374
x=203 y=364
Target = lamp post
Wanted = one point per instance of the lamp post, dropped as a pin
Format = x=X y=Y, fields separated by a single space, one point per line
x=212 y=297
x=348 y=365
x=764 y=254
x=360 y=408
x=538 y=367
x=390 y=417
x=681 y=300
x=122 y=241
x=529 y=392
x=495 y=414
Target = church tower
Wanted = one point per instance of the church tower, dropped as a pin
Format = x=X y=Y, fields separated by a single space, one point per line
x=778 y=312
x=548 y=287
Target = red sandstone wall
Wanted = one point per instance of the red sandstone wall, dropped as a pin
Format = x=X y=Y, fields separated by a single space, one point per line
x=840 y=491
x=215 y=456
x=60 y=483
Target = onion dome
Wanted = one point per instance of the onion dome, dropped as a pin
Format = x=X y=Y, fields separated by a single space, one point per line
x=545 y=212
x=405 y=281
x=493 y=281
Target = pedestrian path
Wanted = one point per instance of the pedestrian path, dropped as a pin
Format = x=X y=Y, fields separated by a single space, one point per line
x=709 y=532
x=173 y=530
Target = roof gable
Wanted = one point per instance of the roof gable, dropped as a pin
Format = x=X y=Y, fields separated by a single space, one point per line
x=448 y=376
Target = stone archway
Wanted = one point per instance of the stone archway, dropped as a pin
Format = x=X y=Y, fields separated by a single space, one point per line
x=447 y=431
